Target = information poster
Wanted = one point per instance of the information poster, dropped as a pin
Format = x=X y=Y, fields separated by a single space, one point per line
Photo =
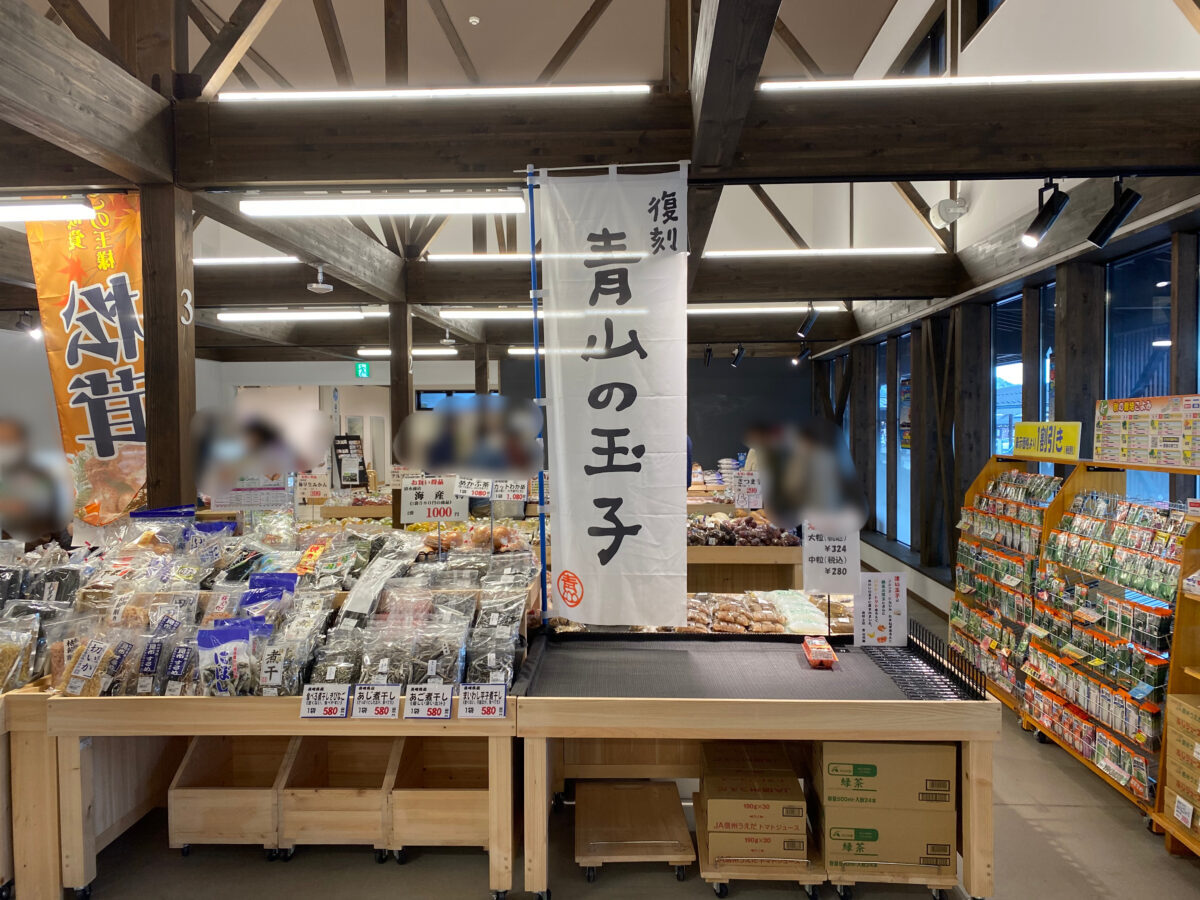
x=432 y=498
x=256 y=493
x=1153 y=431
x=1047 y=440
x=348 y=457
x=904 y=414
x=747 y=490
x=831 y=556
x=881 y=610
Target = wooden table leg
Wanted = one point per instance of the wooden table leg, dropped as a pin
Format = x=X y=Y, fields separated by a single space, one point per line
x=77 y=828
x=978 y=839
x=537 y=816
x=35 y=815
x=500 y=813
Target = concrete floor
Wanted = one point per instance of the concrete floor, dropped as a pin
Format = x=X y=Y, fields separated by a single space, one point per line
x=1060 y=833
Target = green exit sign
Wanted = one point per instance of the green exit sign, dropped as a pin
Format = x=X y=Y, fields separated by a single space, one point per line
x=362 y=370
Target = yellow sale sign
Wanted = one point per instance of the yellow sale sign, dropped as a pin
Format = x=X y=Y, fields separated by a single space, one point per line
x=1047 y=440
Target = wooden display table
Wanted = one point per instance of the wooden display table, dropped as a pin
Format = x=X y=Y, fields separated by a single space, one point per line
x=734 y=570
x=56 y=778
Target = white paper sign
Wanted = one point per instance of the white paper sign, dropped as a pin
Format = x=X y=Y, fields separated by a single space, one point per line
x=533 y=494
x=431 y=499
x=482 y=701
x=1183 y=811
x=881 y=610
x=747 y=490
x=473 y=488
x=831 y=556
x=510 y=489
x=312 y=488
x=399 y=472
x=325 y=701
x=616 y=373
x=428 y=701
x=376 y=701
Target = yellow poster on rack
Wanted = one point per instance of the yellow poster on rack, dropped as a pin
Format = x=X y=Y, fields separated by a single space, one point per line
x=89 y=286
x=1047 y=440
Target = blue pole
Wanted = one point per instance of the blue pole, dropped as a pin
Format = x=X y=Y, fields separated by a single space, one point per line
x=537 y=380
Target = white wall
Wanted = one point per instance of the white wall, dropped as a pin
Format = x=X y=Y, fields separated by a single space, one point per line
x=26 y=392
x=456 y=375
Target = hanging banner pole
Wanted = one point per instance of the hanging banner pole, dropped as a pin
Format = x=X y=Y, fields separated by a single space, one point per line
x=537 y=382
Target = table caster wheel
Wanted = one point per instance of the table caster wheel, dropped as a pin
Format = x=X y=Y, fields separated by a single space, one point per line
x=185 y=850
x=938 y=894
x=381 y=856
x=721 y=890
x=590 y=874
x=286 y=855
x=83 y=893
x=401 y=856
x=499 y=895
x=811 y=890
x=1041 y=738
x=6 y=891
x=560 y=801
x=544 y=895
x=845 y=891
x=271 y=855
x=681 y=873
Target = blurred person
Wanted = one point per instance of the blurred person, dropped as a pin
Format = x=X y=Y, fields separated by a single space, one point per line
x=33 y=500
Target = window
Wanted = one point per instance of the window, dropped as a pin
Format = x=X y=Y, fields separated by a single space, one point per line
x=1046 y=366
x=430 y=399
x=903 y=485
x=1138 y=358
x=881 y=438
x=929 y=57
x=1006 y=372
x=974 y=14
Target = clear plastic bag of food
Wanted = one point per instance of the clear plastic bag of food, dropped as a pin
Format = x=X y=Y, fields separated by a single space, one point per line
x=502 y=607
x=18 y=635
x=406 y=600
x=225 y=665
x=440 y=649
x=12 y=582
x=268 y=603
x=282 y=663
x=386 y=655
x=179 y=675
x=43 y=614
x=86 y=667
x=124 y=642
x=276 y=529
x=63 y=637
x=221 y=603
x=491 y=655
x=363 y=599
x=339 y=659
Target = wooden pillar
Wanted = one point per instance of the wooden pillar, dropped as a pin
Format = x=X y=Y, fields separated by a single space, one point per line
x=168 y=310
x=1031 y=354
x=145 y=34
x=822 y=395
x=1185 y=267
x=677 y=62
x=400 y=383
x=931 y=480
x=482 y=385
x=862 y=422
x=395 y=42
x=974 y=423
x=1079 y=346
x=893 y=432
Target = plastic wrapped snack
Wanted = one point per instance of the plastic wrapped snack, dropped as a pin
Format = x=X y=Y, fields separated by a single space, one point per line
x=63 y=637
x=17 y=637
x=502 y=607
x=463 y=601
x=220 y=603
x=124 y=643
x=386 y=655
x=406 y=600
x=439 y=651
x=225 y=664
x=360 y=605
x=491 y=655
x=281 y=666
x=42 y=613
x=85 y=670
x=339 y=659
x=180 y=671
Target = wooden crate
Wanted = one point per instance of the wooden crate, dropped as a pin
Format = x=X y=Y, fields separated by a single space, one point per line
x=440 y=797
x=336 y=790
x=227 y=791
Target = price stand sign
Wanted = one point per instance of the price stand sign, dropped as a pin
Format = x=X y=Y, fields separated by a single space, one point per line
x=376 y=701
x=473 y=488
x=432 y=498
x=482 y=701
x=747 y=490
x=831 y=556
x=881 y=610
x=428 y=701
x=511 y=490
x=325 y=701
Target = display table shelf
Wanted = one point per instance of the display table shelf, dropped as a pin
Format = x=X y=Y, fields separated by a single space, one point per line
x=738 y=569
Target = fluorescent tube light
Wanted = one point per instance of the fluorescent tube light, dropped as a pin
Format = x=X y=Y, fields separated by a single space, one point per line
x=845 y=251
x=416 y=351
x=1162 y=284
x=867 y=84
x=489 y=314
x=374 y=351
x=293 y=315
x=524 y=257
x=45 y=210
x=550 y=90
x=244 y=260
x=759 y=309
x=525 y=351
x=368 y=205
x=1163 y=343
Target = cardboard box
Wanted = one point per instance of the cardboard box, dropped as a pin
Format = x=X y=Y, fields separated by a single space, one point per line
x=1183 y=714
x=754 y=803
x=898 y=839
x=1181 y=812
x=888 y=776
x=756 y=849
x=1182 y=750
x=1183 y=781
x=744 y=756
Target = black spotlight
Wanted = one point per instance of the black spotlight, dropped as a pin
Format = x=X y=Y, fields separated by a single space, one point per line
x=802 y=356
x=806 y=326
x=707 y=355
x=1125 y=201
x=1049 y=209
x=737 y=355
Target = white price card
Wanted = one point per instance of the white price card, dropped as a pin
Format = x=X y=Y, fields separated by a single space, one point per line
x=512 y=490
x=325 y=701
x=432 y=499
x=831 y=555
x=376 y=701
x=1184 y=811
x=482 y=701
x=473 y=488
x=428 y=701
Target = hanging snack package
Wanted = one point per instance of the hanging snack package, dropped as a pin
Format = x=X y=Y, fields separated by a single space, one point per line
x=85 y=671
x=17 y=637
x=440 y=650
x=339 y=659
x=224 y=660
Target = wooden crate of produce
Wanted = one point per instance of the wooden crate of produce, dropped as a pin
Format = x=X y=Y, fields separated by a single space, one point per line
x=227 y=791
x=440 y=796
x=336 y=790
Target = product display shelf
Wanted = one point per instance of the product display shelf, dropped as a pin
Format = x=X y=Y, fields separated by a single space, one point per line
x=631 y=822
x=6 y=807
x=738 y=569
x=809 y=874
x=306 y=775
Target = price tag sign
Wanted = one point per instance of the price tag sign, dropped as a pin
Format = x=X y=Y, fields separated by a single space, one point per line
x=747 y=490
x=428 y=701
x=473 y=488
x=432 y=499
x=482 y=701
x=376 y=701
x=1183 y=811
x=312 y=489
x=325 y=701
x=831 y=556
x=510 y=489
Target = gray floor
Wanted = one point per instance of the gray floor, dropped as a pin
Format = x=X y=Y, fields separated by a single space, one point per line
x=1060 y=833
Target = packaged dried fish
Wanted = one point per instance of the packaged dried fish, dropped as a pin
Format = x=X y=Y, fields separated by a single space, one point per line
x=281 y=667
x=17 y=639
x=84 y=674
x=440 y=649
x=339 y=659
x=225 y=665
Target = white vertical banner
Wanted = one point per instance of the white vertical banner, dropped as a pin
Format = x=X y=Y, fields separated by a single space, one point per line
x=615 y=299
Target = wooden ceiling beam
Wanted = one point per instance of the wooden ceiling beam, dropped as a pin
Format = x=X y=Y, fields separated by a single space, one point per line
x=214 y=21
x=778 y=215
x=395 y=43
x=86 y=29
x=33 y=165
x=226 y=50
x=915 y=202
x=210 y=34
x=802 y=57
x=677 y=49
x=16 y=267
x=568 y=47
x=59 y=90
x=420 y=244
x=332 y=33
x=456 y=44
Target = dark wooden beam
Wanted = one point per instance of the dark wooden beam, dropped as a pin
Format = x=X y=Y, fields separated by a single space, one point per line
x=361 y=224
x=395 y=43
x=971 y=391
x=421 y=242
x=33 y=165
x=482 y=379
x=401 y=399
x=1185 y=320
x=59 y=90
x=1078 y=342
x=915 y=202
x=501 y=235
x=210 y=34
x=332 y=33
x=863 y=410
x=677 y=63
x=391 y=237
x=16 y=267
x=590 y=16
x=479 y=234
x=216 y=22
x=1031 y=354
x=170 y=343
x=456 y=44
x=226 y=51
x=86 y=29
x=144 y=33
x=807 y=64
x=777 y=214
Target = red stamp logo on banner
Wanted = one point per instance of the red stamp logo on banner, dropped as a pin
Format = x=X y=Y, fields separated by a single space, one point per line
x=570 y=588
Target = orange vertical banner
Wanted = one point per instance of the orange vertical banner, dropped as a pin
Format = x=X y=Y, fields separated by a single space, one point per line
x=89 y=286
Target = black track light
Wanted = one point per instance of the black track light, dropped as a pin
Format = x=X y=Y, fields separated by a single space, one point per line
x=1049 y=209
x=802 y=356
x=1125 y=201
x=708 y=356
x=810 y=319
x=737 y=355
x=27 y=324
